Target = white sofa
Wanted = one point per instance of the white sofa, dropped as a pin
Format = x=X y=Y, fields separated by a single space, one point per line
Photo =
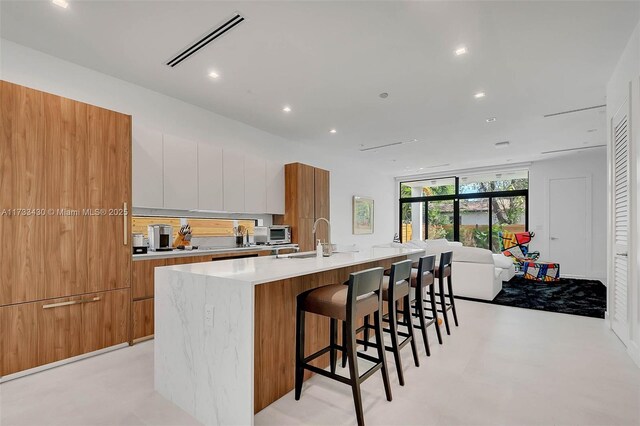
x=477 y=272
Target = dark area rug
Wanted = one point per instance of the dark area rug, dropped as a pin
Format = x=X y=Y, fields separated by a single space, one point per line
x=568 y=296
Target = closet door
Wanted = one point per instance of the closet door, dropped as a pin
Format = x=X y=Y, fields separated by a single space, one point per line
x=109 y=185
x=23 y=254
x=620 y=156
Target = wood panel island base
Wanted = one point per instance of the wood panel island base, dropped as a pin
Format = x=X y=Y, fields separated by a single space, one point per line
x=225 y=331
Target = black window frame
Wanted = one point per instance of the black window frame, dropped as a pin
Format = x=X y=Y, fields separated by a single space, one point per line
x=456 y=197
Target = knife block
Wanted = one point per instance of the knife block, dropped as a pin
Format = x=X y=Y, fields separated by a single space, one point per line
x=181 y=241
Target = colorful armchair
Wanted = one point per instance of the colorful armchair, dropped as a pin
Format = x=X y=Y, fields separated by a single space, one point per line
x=516 y=245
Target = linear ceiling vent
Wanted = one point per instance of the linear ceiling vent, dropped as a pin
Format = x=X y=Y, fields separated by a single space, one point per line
x=571 y=111
x=214 y=34
x=582 y=148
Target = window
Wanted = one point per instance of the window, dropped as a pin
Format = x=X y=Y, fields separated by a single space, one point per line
x=473 y=209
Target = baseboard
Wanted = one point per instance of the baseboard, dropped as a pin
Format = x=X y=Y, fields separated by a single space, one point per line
x=34 y=370
x=634 y=352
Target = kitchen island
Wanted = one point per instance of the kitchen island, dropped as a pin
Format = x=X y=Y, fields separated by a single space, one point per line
x=225 y=331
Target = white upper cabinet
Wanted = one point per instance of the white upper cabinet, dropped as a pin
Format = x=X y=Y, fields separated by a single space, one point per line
x=210 y=188
x=147 y=168
x=180 y=173
x=233 y=179
x=255 y=185
x=275 y=188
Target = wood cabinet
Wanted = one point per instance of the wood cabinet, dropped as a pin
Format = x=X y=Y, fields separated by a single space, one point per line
x=210 y=190
x=233 y=180
x=180 y=177
x=255 y=185
x=65 y=167
x=148 y=189
x=307 y=192
x=143 y=286
x=38 y=333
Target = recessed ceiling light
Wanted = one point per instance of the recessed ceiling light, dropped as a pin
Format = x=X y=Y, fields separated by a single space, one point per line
x=214 y=74
x=491 y=120
x=502 y=144
x=479 y=95
x=62 y=3
x=332 y=131
x=384 y=95
x=287 y=109
x=461 y=50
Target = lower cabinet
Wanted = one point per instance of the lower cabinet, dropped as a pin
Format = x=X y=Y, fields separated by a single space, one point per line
x=143 y=281
x=142 y=318
x=39 y=333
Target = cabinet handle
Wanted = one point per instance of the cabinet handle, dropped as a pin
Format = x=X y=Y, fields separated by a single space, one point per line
x=71 y=302
x=124 y=215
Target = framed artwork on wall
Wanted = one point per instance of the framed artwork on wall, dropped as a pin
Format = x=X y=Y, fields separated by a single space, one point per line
x=362 y=215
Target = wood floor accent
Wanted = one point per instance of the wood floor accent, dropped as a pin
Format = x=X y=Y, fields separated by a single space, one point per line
x=274 y=341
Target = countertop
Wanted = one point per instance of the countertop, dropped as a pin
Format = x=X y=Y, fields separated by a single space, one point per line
x=203 y=252
x=259 y=270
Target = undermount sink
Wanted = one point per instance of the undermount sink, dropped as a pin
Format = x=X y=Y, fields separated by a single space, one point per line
x=304 y=255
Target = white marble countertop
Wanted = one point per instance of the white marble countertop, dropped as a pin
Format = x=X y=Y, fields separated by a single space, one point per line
x=203 y=252
x=259 y=270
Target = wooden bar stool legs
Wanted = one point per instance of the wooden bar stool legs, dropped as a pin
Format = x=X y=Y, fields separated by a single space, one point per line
x=422 y=280
x=444 y=271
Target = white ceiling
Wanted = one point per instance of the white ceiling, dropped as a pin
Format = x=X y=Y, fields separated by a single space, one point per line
x=330 y=60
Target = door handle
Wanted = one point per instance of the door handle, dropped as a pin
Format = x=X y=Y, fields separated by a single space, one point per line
x=71 y=302
x=125 y=215
x=554 y=238
x=622 y=254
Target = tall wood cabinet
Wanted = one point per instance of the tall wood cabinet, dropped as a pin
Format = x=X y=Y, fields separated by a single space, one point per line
x=307 y=199
x=65 y=188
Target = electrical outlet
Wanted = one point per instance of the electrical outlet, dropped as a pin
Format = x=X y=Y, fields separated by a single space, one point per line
x=208 y=315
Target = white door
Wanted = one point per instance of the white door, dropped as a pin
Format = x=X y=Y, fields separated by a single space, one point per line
x=568 y=219
x=620 y=203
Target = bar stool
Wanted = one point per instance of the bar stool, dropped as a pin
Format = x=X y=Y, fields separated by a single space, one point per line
x=444 y=271
x=395 y=287
x=422 y=279
x=361 y=297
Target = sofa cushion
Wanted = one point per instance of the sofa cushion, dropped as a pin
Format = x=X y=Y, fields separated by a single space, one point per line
x=472 y=255
x=502 y=261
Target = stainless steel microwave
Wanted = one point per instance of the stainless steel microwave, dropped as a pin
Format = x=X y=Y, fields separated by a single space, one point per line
x=272 y=235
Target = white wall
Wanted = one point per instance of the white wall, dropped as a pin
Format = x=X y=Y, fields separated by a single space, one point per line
x=591 y=164
x=625 y=82
x=25 y=66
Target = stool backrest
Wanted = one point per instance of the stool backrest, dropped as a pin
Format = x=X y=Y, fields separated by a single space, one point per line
x=361 y=283
x=400 y=272
x=445 y=261
x=426 y=265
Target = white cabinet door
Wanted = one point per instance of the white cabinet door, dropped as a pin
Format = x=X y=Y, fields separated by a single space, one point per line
x=147 y=168
x=255 y=185
x=210 y=191
x=275 y=188
x=233 y=172
x=180 y=173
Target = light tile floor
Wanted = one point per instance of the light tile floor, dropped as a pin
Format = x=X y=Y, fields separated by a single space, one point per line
x=501 y=366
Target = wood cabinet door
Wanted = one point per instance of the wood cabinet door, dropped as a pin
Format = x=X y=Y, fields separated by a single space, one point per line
x=147 y=172
x=66 y=179
x=59 y=329
x=142 y=274
x=18 y=338
x=105 y=319
x=22 y=173
x=306 y=190
x=143 y=320
x=321 y=202
x=109 y=184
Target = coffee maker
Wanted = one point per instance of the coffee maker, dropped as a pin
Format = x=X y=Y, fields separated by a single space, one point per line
x=160 y=237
